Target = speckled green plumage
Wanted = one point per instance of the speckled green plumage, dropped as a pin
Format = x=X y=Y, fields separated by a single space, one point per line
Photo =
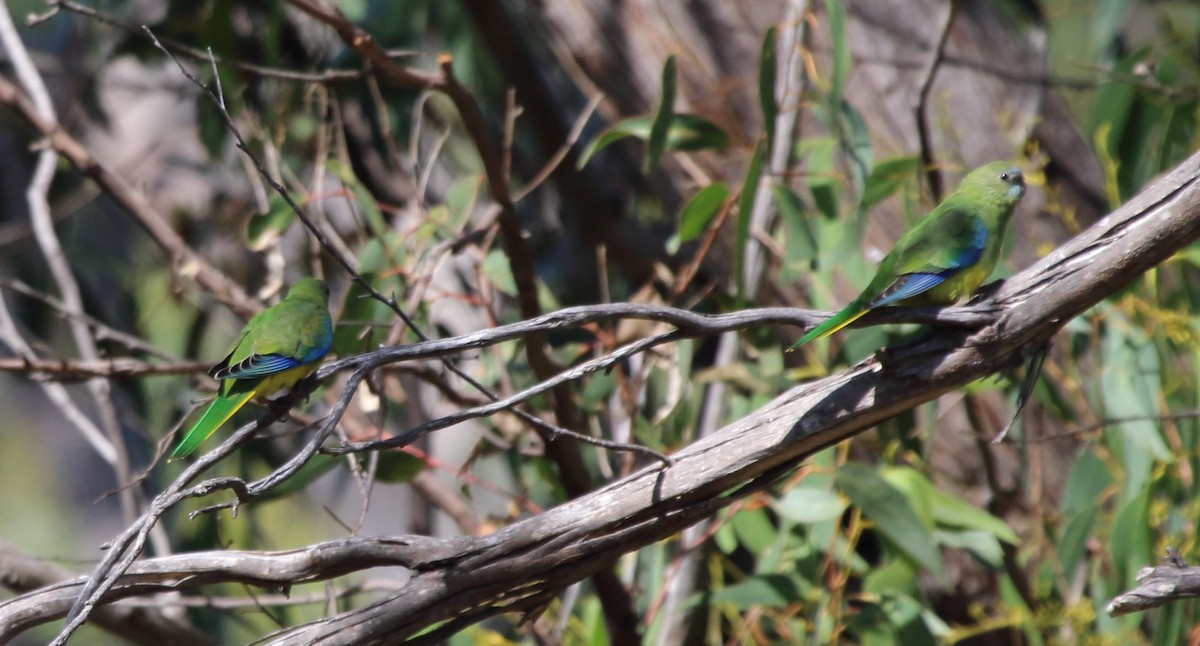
x=945 y=256
x=278 y=347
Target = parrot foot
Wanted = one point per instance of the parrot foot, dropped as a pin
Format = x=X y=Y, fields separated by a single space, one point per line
x=985 y=292
x=281 y=407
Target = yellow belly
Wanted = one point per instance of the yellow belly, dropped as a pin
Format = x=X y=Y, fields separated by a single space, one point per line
x=963 y=284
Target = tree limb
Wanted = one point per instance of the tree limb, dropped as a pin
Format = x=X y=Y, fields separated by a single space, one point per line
x=515 y=568
x=1158 y=586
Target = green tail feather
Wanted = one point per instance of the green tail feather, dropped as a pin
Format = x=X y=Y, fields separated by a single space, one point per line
x=219 y=412
x=834 y=323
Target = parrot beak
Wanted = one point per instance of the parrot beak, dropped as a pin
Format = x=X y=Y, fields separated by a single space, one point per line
x=1015 y=180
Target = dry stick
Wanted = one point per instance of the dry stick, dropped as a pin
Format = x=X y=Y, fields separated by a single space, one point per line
x=689 y=324
x=139 y=623
x=274 y=569
x=231 y=603
x=112 y=368
x=928 y=159
x=1158 y=586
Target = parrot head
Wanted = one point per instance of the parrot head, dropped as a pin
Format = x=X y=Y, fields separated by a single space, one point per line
x=999 y=183
x=309 y=289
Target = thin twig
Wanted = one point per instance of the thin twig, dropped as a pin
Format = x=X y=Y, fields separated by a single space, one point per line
x=111 y=368
x=324 y=76
x=936 y=55
x=101 y=331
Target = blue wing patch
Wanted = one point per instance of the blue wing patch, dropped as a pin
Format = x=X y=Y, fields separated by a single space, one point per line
x=259 y=365
x=909 y=285
x=919 y=282
x=972 y=253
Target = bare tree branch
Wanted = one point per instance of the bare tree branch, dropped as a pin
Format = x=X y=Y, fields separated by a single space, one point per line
x=936 y=55
x=282 y=569
x=114 y=368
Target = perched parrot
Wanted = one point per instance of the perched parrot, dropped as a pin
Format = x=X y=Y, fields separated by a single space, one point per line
x=945 y=256
x=278 y=347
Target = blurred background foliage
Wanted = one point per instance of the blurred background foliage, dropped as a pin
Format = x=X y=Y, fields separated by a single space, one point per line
x=920 y=532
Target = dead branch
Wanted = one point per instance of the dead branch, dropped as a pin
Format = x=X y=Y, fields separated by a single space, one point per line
x=114 y=368
x=281 y=569
x=1158 y=586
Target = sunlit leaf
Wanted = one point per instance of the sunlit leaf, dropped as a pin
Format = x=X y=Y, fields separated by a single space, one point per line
x=700 y=210
x=891 y=513
x=686 y=133
x=745 y=209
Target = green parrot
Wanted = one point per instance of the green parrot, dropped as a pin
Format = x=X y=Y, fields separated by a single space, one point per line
x=278 y=347
x=945 y=256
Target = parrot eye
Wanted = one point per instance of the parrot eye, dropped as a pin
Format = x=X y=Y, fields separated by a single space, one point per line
x=1012 y=177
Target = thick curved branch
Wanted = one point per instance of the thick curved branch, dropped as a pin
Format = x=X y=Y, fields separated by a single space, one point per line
x=520 y=564
x=189 y=571
x=20 y=572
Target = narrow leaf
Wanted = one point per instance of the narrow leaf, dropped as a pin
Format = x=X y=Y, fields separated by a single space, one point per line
x=699 y=211
x=891 y=513
x=662 y=119
x=686 y=132
x=767 y=62
x=745 y=206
